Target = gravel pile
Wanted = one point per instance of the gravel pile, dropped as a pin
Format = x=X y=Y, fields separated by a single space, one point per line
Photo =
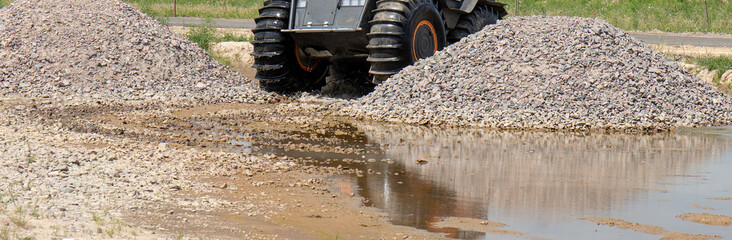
x=108 y=50
x=555 y=73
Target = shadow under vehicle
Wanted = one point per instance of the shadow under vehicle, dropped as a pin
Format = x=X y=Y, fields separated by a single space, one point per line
x=297 y=41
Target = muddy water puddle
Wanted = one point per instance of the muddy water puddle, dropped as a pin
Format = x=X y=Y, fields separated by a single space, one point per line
x=535 y=185
x=482 y=184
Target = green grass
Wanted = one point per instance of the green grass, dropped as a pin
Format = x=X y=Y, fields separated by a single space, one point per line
x=96 y=218
x=205 y=34
x=721 y=64
x=199 y=8
x=640 y=15
x=5 y=233
x=3 y=3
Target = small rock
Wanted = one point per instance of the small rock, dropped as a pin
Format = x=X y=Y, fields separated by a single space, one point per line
x=64 y=83
x=726 y=78
x=707 y=76
x=201 y=86
x=163 y=147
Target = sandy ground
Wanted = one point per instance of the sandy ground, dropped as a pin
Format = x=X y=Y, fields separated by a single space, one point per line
x=693 y=51
x=477 y=225
x=707 y=218
x=150 y=173
x=650 y=229
x=234 y=31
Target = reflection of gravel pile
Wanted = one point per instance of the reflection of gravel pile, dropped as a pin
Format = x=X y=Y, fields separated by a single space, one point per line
x=107 y=49
x=548 y=73
x=537 y=172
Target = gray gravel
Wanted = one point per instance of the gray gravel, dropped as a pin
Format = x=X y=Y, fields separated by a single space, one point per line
x=71 y=177
x=108 y=50
x=549 y=73
x=57 y=54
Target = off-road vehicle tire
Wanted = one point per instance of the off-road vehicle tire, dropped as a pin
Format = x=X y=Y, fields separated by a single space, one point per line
x=402 y=32
x=281 y=65
x=473 y=22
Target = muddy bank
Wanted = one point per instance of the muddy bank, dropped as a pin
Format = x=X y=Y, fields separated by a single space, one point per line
x=650 y=229
x=514 y=176
x=287 y=170
x=707 y=218
x=67 y=166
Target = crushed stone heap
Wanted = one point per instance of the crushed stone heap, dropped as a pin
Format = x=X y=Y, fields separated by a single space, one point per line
x=547 y=73
x=107 y=50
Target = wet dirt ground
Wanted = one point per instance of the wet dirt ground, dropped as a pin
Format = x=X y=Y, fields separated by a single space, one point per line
x=355 y=179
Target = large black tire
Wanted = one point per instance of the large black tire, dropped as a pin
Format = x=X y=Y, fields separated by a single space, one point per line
x=281 y=65
x=473 y=22
x=402 y=32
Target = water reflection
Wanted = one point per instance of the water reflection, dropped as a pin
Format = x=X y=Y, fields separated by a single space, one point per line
x=538 y=182
x=521 y=176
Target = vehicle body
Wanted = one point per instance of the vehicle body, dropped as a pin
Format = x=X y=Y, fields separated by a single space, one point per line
x=296 y=40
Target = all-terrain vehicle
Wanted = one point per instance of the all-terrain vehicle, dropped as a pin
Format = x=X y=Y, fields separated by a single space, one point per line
x=296 y=40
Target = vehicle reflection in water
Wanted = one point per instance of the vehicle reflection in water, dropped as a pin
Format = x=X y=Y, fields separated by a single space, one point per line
x=423 y=174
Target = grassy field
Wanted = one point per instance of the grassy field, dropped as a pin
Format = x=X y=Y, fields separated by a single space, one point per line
x=721 y=64
x=199 y=8
x=641 y=15
x=205 y=34
x=4 y=2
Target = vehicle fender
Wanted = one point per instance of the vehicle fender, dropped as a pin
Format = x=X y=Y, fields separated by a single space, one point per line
x=452 y=9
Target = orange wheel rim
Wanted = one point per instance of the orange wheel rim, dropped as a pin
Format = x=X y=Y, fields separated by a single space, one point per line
x=304 y=67
x=414 y=36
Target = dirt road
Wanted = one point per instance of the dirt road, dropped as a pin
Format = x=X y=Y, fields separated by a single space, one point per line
x=672 y=39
